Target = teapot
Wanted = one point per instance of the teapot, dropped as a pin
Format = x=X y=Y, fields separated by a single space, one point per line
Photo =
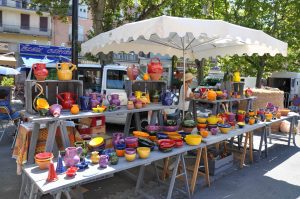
x=67 y=99
x=155 y=69
x=40 y=72
x=72 y=156
x=65 y=72
x=113 y=99
x=167 y=98
x=132 y=72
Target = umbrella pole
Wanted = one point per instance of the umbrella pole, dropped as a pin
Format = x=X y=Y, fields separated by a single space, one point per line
x=184 y=94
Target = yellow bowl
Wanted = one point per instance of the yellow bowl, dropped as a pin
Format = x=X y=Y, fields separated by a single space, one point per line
x=130 y=157
x=143 y=152
x=97 y=141
x=224 y=130
x=201 y=120
x=193 y=139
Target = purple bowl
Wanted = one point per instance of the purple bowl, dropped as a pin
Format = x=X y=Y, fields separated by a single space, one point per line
x=152 y=128
x=211 y=126
x=131 y=140
x=170 y=128
x=130 y=151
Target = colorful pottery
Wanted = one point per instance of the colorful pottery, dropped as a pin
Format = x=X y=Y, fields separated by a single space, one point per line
x=43 y=160
x=55 y=110
x=211 y=95
x=74 y=109
x=252 y=120
x=83 y=145
x=155 y=69
x=143 y=152
x=67 y=99
x=64 y=72
x=85 y=104
x=52 y=176
x=113 y=99
x=40 y=72
x=167 y=98
x=236 y=77
x=269 y=116
x=138 y=104
x=132 y=72
x=71 y=172
x=193 y=139
x=95 y=157
x=103 y=161
x=212 y=119
x=130 y=157
x=114 y=159
x=60 y=165
x=72 y=156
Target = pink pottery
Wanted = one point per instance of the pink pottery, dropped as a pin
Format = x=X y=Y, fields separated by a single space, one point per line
x=72 y=156
x=55 y=110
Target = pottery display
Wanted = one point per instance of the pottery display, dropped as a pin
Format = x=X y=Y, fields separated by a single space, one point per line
x=43 y=160
x=60 y=165
x=113 y=99
x=82 y=165
x=40 y=72
x=95 y=157
x=212 y=119
x=269 y=116
x=71 y=172
x=155 y=69
x=138 y=94
x=67 y=99
x=138 y=104
x=74 y=109
x=95 y=99
x=103 y=161
x=55 y=110
x=118 y=138
x=72 y=156
x=130 y=105
x=132 y=72
x=85 y=104
x=114 y=159
x=52 y=176
x=64 y=72
x=167 y=98
x=211 y=95
x=252 y=120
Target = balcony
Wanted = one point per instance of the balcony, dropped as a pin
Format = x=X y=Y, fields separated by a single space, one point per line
x=22 y=5
x=25 y=30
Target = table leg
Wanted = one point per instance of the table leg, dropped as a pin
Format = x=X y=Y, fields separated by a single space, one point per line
x=185 y=176
x=64 y=134
x=58 y=195
x=140 y=178
x=22 y=190
x=262 y=137
x=205 y=159
x=33 y=142
x=266 y=142
x=251 y=146
x=33 y=191
x=165 y=169
x=67 y=194
x=127 y=124
x=244 y=151
x=137 y=121
x=51 y=136
x=196 y=170
x=154 y=116
x=174 y=173
x=291 y=131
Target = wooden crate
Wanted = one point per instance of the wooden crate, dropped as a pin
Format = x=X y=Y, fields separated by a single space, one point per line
x=141 y=85
x=51 y=88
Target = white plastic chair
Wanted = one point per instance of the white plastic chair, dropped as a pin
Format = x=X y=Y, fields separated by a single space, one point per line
x=5 y=124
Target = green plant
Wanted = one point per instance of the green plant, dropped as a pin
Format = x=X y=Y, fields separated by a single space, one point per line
x=7 y=81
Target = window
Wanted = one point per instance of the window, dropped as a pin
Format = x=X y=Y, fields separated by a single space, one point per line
x=115 y=79
x=44 y=24
x=25 y=21
x=0 y=17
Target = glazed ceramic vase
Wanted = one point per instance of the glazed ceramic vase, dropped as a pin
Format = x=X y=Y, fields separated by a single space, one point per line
x=55 y=110
x=40 y=72
x=95 y=157
x=72 y=156
x=103 y=161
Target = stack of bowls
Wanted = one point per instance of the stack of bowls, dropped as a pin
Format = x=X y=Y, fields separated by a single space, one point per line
x=166 y=145
x=146 y=143
x=153 y=130
x=143 y=152
x=130 y=154
x=120 y=149
x=43 y=160
x=97 y=144
x=201 y=123
x=131 y=142
x=224 y=128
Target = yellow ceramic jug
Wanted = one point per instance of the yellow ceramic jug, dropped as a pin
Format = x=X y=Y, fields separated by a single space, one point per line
x=95 y=157
x=64 y=72
x=236 y=77
x=138 y=94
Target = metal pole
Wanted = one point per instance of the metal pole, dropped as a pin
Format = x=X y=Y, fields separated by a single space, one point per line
x=184 y=94
x=75 y=34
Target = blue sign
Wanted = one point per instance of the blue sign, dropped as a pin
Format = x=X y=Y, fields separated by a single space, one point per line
x=34 y=49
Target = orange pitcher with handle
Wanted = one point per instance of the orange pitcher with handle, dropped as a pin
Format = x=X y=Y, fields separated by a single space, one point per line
x=64 y=70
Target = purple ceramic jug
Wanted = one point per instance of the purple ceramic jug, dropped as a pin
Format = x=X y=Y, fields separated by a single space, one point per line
x=103 y=161
x=167 y=98
x=55 y=110
x=72 y=156
x=118 y=138
x=94 y=100
x=113 y=99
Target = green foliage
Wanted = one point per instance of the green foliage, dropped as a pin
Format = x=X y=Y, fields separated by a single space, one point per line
x=7 y=81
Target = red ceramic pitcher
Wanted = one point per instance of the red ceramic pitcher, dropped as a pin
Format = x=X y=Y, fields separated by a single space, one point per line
x=40 y=72
x=155 y=69
x=67 y=99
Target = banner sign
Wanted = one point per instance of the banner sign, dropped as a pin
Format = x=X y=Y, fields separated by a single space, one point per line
x=34 y=49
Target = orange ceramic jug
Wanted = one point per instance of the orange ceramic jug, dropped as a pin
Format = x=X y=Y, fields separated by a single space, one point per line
x=211 y=95
x=64 y=72
x=75 y=109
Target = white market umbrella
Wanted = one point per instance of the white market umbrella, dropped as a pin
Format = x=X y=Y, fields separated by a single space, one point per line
x=8 y=71
x=185 y=37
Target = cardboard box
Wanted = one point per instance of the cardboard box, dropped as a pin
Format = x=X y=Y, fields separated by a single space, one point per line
x=98 y=130
x=86 y=121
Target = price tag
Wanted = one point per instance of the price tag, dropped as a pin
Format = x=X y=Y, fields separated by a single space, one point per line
x=98 y=122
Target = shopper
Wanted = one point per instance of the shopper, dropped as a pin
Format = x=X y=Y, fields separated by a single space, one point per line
x=5 y=102
x=187 y=93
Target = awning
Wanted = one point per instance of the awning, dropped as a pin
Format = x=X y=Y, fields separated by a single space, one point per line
x=8 y=61
x=29 y=60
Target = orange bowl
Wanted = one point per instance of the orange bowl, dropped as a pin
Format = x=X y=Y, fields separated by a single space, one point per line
x=120 y=153
x=201 y=126
x=140 y=134
x=43 y=163
x=152 y=138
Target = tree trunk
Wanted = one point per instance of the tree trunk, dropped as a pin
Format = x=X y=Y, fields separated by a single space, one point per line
x=200 y=70
x=260 y=71
x=98 y=8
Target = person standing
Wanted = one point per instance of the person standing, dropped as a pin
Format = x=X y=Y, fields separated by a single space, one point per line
x=184 y=102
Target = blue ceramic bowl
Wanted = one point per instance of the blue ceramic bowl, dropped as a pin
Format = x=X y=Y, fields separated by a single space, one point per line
x=161 y=136
x=120 y=146
x=224 y=125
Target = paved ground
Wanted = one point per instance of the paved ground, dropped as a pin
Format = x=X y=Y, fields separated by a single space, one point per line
x=272 y=178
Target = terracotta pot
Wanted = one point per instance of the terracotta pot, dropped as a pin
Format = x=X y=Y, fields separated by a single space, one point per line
x=130 y=105
x=132 y=72
x=138 y=105
x=75 y=109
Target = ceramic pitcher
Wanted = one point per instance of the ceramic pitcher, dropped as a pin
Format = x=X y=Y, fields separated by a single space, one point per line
x=64 y=71
x=72 y=156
